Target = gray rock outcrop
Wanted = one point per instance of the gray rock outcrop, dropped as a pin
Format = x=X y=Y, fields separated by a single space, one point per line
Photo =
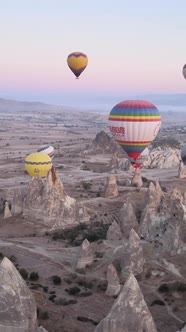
x=17 y=305
x=129 y=312
x=166 y=224
x=114 y=232
x=133 y=260
x=114 y=286
x=165 y=157
x=111 y=188
x=119 y=163
x=17 y=202
x=128 y=257
x=154 y=195
x=85 y=255
x=182 y=171
x=127 y=219
x=7 y=212
x=151 y=219
x=47 y=202
x=103 y=143
x=137 y=179
x=174 y=240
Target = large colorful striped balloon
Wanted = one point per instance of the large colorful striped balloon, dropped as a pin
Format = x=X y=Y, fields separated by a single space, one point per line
x=134 y=124
x=77 y=62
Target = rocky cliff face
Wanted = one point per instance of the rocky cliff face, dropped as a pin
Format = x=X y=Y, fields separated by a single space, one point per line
x=85 y=255
x=114 y=286
x=119 y=163
x=47 y=201
x=128 y=257
x=114 y=232
x=162 y=158
x=127 y=219
x=163 y=220
x=182 y=171
x=17 y=305
x=129 y=312
x=103 y=143
x=111 y=188
x=137 y=179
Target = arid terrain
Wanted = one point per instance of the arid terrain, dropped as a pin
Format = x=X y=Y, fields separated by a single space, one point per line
x=76 y=302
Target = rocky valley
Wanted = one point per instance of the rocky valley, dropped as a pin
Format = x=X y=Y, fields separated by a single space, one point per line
x=96 y=245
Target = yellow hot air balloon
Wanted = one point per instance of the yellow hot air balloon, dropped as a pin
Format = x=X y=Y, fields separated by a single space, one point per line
x=77 y=62
x=38 y=164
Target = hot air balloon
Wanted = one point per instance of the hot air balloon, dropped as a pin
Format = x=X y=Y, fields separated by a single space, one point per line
x=134 y=124
x=143 y=156
x=47 y=149
x=77 y=62
x=184 y=71
x=38 y=164
x=183 y=154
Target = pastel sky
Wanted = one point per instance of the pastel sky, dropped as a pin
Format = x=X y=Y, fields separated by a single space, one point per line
x=133 y=46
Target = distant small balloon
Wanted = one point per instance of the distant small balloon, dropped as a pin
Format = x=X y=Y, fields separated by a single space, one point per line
x=184 y=71
x=38 y=164
x=77 y=62
x=47 y=149
x=183 y=154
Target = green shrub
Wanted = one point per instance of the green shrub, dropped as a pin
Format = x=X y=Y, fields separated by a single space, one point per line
x=163 y=288
x=73 y=290
x=23 y=273
x=52 y=297
x=56 y=280
x=63 y=301
x=45 y=289
x=34 y=276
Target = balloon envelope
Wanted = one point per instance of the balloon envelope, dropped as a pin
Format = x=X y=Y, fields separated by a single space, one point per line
x=38 y=164
x=47 y=149
x=184 y=71
x=143 y=156
x=183 y=154
x=77 y=62
x=134 y=124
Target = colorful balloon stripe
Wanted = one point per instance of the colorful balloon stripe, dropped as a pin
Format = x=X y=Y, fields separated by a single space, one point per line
x=134 y=125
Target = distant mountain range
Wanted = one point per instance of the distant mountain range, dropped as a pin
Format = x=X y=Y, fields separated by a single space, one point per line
x=169 y=102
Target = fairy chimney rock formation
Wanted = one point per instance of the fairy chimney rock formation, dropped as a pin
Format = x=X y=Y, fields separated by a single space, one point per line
x=133 y=261
x=182 y=171
x=154 y=195
x=17 y=202
x=7 y=212
x=85 y=256
x=114 y=286
x=129 y=312
x=137 y=179
x=119 y=163
x=47 y=202
x=127 y=219
x=114 y=232
x=150 y=218
x=111 y=188
x=176 y=194
x=174 y=240
x=17 y=305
